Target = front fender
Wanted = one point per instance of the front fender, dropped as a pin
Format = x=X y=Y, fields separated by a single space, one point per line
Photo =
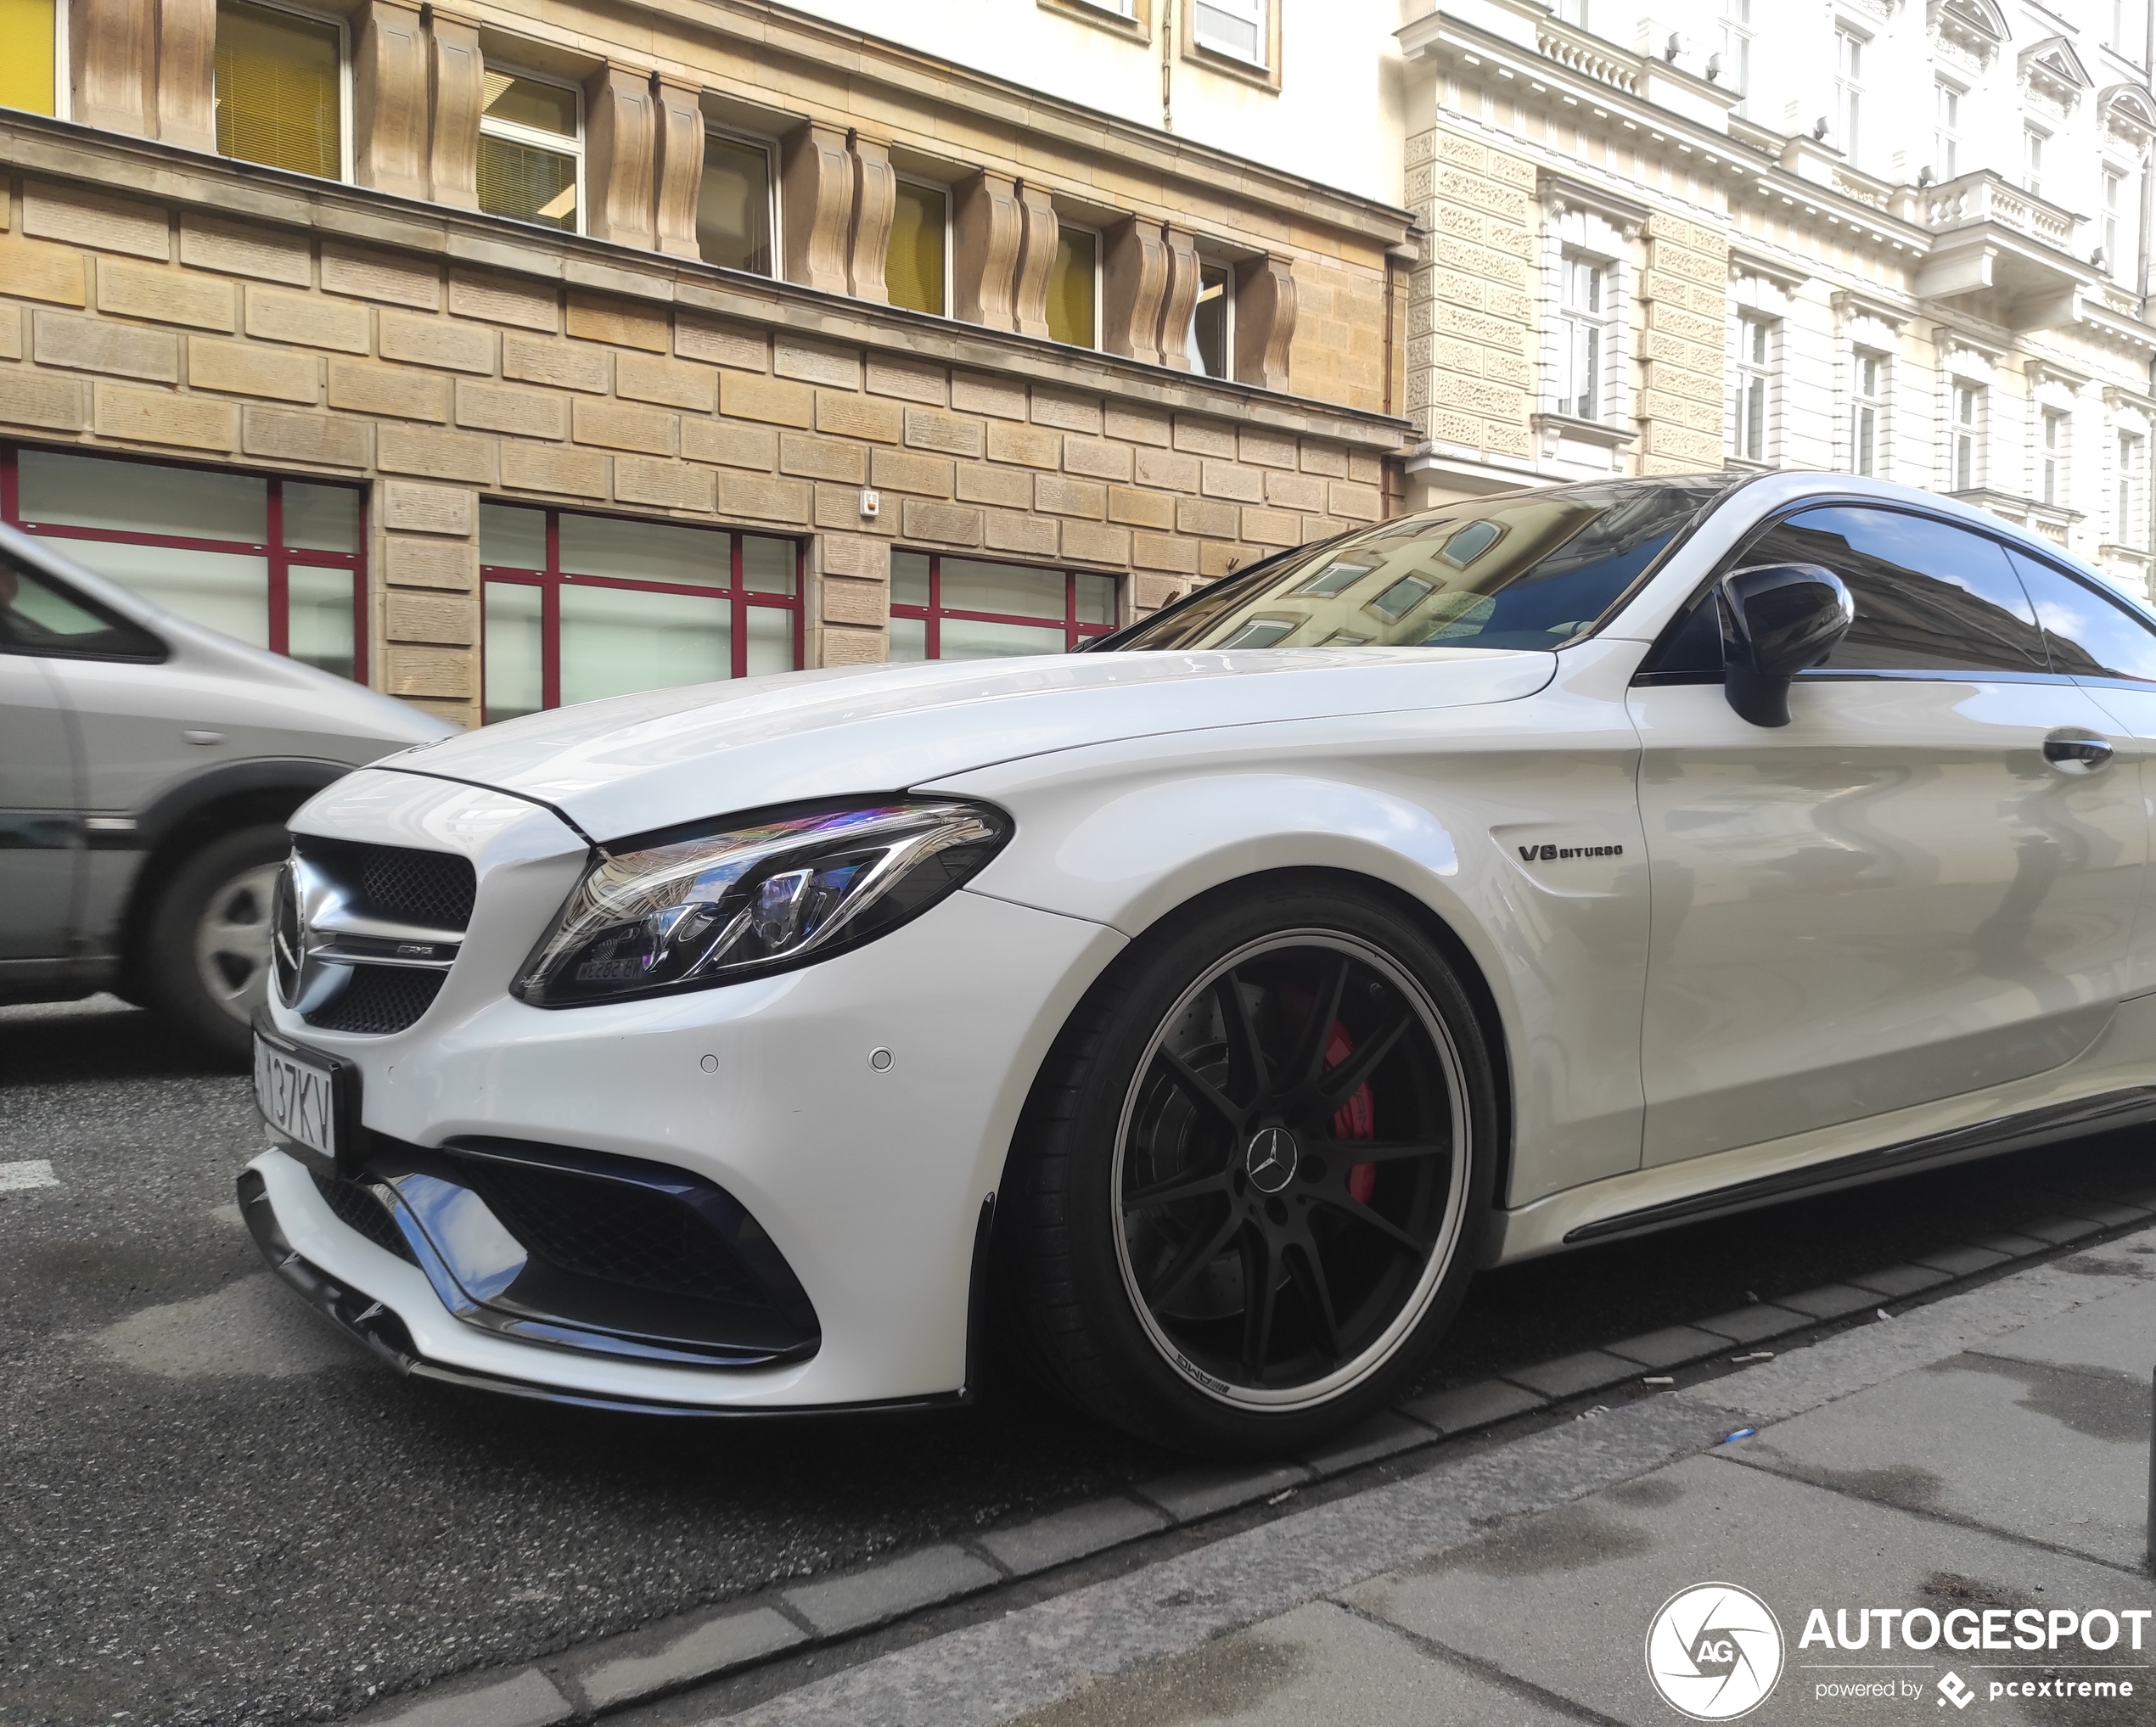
x=1440 y=808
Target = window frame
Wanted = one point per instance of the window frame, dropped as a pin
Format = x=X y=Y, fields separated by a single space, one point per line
x=551 y=581
x=1132 y=20
x=1576 y=323
x=1849 y=92
x=774 y=240
x=1100 y=247
x=279 y=558
x=1264 y=71
x=2033 y=140
x=2108 y=211
x=1946 y=127
x=2130 y=491
x=1870 y=402
x=2054 y=455
x=61 y=66
x=537 y=139
x=1965 y=437
x=931 y=616
x=1228 y=269
x=1757 y=383
x=950 y=222
x=345 y=118
x=1736 y=37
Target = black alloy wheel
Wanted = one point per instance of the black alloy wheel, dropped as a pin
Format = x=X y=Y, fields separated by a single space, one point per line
x=1261 y=1149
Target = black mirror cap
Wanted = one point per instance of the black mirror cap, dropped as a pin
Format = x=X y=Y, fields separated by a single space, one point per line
x=1777 y=619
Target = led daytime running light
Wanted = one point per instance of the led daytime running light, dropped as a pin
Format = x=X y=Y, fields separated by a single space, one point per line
x=776 y=893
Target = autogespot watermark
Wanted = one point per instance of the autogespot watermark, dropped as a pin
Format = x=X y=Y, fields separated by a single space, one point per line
x=1715 y=1652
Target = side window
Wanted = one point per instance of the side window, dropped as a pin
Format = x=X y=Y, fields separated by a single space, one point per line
x=39 y=616
x=1929 y=597
x=2090 y=635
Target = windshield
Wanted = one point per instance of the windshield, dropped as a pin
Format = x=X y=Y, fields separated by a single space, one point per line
x=1518 y=569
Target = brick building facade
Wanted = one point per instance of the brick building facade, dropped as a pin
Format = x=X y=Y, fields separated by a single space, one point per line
x=442 y=368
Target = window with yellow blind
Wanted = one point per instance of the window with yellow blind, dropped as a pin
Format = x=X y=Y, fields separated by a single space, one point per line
x=280 y=89
x=915 y=268
x=734 y=204
x=27 y=58
x=1073 y=280
x=531 y=150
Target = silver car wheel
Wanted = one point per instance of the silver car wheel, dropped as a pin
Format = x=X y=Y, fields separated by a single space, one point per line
x=231 y=941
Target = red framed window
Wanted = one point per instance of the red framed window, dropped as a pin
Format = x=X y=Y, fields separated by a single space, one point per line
x=281 y=563
x=945 y=608
x=581 y=606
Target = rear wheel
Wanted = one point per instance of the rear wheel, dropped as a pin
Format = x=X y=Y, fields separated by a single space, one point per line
x=208 y=947
x=1246 y=1195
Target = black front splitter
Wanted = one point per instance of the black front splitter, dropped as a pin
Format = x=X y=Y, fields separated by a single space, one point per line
x=366 y=1320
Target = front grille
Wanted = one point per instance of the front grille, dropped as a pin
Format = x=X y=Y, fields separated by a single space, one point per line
x=379 y=1000
x=424 y=897
x=357 y=1209
x=432 y=888
x=613 y=1231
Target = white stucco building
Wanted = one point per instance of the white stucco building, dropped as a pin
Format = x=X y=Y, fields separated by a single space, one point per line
x=1906 y=238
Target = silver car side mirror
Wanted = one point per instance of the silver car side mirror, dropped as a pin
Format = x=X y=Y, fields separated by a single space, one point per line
x=1777 y=619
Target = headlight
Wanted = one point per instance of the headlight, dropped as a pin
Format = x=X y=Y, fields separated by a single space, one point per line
x=781 y=893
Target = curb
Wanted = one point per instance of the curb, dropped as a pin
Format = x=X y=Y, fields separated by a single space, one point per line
x=657 y=1661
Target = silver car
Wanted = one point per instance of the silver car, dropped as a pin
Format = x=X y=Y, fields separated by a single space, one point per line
x=146 y=767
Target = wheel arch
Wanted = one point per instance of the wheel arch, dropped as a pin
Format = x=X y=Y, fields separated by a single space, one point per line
x=1474 y=978
x=188 y=815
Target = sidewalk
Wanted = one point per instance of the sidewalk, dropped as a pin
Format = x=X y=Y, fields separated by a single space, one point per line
x=1986 y=1453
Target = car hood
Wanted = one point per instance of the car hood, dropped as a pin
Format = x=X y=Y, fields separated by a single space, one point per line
x=633 y=764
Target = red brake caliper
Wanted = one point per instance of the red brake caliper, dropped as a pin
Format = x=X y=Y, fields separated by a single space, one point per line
x=1356 y=1118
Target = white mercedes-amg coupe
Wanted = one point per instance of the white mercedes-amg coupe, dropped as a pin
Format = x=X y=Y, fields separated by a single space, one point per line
x=1203 y=1010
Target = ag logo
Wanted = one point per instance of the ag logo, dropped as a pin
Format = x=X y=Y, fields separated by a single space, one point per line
x=1714 y=1651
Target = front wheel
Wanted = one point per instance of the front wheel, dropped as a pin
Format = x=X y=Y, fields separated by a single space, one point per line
x=1246 y=1195
x=207 y=943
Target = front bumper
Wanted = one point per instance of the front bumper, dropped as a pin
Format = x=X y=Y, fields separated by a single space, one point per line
x=869 y=1181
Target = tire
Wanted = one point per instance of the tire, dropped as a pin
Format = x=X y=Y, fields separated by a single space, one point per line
x=206 y=953
x=1163 y=1170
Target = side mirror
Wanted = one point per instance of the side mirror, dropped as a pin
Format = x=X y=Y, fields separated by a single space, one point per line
x=1777 y=619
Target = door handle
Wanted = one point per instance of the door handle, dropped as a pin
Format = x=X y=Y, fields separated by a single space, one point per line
x=2076 y=752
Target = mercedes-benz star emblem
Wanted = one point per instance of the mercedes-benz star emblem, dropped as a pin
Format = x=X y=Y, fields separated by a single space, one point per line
x=1269 y=1159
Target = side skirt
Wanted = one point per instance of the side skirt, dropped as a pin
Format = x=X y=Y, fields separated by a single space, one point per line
x=2006 y=1133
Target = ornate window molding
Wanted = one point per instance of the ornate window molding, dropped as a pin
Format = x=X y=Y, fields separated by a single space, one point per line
x=1584 y=224
x=2129 y=116
x=1967 y=33
x=2050 y=71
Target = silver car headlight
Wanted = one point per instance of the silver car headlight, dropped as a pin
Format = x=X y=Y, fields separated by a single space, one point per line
x=715 y=908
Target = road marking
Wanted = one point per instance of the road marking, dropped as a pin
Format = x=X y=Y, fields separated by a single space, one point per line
x=37 y=1172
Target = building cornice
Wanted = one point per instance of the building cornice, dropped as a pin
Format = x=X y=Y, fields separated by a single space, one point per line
x=1443 y=37
x=148 y=170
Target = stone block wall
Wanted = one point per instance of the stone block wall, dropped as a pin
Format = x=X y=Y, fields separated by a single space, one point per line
x=1684 y=302
x=167 y=326
x=1471 y=334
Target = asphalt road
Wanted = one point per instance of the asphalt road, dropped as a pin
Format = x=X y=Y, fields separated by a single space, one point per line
x=213 y=1510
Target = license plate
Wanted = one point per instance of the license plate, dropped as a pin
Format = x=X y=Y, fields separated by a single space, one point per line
x=309 y=1099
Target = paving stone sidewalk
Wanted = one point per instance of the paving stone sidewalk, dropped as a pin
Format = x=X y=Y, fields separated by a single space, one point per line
x=1988 y=1451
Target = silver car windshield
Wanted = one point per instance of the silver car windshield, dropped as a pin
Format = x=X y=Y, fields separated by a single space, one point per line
x=1520 y=570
